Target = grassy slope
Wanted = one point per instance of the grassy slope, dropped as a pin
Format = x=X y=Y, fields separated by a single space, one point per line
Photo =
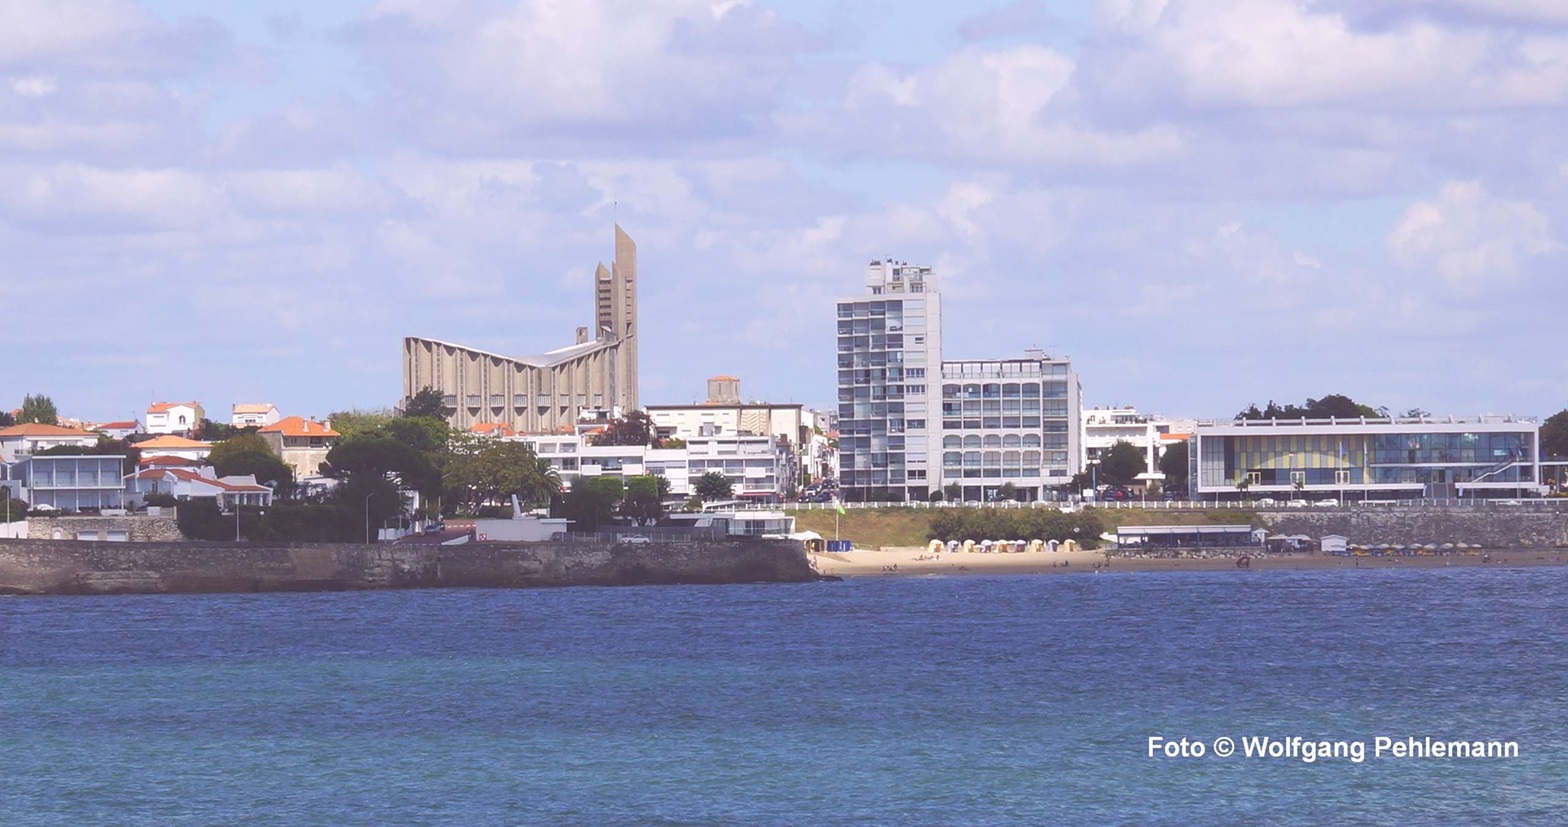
x=876 y=527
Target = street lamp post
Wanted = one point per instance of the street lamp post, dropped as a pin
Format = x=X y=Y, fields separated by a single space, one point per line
x=367 y=516
x=236 y=518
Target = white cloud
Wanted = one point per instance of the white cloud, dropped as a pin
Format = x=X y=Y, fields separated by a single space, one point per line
x=37 y=86
x=1273 y=54
x=77 y=198
x=1011 y=105
x=474 y=76
x=1469 y=238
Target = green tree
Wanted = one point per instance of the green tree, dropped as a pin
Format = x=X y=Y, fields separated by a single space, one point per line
x=428 y=403
x=1332 y=406
x=381 y=458
x=644 y=500
x=38 y=408
x=7 y=419
x=953 y=492
x=357 y=423
x=592 y=501
x=478 y=471
x=427 y=435
x=1173 y=464
x=202 y=520
x=1554 y=435
x=1006 y=492
x=248 y=453
x=635 y=428
x=263 y=465
x=210 y=431
x=11 y=508
x=714 y=486
x=1121 y=464
x=1022 y=523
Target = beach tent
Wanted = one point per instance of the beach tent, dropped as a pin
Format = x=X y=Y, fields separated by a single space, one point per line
x=1052 y=545
x=1069 y=545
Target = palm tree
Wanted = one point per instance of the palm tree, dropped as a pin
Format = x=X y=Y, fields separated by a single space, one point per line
x=546 y=482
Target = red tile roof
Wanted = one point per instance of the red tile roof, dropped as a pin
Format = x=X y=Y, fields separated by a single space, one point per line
x=36 y=429
x=167 y=460
x=299 y=426
x=171 y=442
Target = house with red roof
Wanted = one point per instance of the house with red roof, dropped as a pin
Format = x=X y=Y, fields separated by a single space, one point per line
x=117 y=430
x=32 y=437
x=301 y=443
x=174 y=417
x=169 y=445
x=257 y=414
x=197 y=484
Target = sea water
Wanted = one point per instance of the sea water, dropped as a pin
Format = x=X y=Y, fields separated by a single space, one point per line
x=1026 y=700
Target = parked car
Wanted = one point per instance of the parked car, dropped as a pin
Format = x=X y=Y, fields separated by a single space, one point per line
x=1298 y=503
x=635 y=539
x=435 y=528
x=1327 y=503
x=1266 y=502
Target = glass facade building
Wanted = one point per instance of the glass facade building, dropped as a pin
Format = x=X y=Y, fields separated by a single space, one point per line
x=1389 y=458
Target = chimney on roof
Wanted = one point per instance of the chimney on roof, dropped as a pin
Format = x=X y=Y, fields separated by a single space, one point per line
x=582 y=335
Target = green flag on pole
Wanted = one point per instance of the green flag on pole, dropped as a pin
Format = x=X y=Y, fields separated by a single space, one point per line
x=840 y=503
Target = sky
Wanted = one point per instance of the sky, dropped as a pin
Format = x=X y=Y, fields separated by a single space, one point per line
x=1204 y=203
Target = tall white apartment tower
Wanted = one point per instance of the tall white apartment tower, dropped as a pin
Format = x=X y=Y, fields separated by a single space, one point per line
x=889 y=357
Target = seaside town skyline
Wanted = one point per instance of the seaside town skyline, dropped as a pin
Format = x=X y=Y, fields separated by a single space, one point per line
x=281 y=194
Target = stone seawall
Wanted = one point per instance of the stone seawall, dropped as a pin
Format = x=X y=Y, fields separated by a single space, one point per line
x=1498 y=527
x=74 y=567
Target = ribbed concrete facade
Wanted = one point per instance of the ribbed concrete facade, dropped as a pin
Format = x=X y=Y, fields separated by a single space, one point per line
x=540 y=394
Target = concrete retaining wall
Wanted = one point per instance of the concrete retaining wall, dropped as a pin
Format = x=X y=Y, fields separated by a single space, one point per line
x=1498 y=527
x=73 y=567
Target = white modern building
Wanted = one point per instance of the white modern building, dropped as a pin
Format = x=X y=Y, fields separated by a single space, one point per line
x=1009 y=421
x=724 y=414
x=889 y=361
x=1367 y=458
x=756 y=466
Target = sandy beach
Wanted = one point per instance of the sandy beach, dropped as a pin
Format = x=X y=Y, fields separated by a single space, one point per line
x=894 y=562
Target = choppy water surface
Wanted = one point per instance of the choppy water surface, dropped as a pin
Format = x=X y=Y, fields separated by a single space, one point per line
x=1008 y=700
